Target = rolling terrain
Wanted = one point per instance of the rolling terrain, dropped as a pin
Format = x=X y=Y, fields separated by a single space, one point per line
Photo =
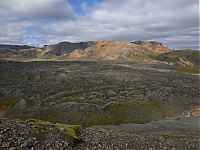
x=96 y=92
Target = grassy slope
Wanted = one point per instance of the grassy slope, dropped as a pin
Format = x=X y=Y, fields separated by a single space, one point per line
x=191 y=55
x=173 y=57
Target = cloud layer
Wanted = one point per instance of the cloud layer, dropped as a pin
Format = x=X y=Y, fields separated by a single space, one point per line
x=174 y=23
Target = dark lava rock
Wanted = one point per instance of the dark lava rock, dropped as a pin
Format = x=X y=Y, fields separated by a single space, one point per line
x=22 y=135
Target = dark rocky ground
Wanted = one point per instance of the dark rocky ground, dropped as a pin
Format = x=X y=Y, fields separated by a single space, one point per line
x=95 y=92
x=16 y=135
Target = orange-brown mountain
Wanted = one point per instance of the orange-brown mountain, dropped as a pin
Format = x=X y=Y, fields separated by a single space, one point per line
x=105 y=50
x=102 y=49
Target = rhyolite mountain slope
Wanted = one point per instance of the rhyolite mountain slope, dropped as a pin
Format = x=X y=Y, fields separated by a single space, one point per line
x=102 y=49
x=62 y=49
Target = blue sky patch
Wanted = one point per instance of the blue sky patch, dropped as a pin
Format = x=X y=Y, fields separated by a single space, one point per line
x=77 y=5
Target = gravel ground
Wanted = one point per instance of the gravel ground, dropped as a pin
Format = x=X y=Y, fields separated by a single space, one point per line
x=16 y=135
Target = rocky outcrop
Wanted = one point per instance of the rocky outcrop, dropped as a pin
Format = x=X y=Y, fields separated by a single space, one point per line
x=154 y=46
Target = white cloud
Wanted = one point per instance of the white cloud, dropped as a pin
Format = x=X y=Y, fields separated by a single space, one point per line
x=173 y=22
x=38 y=9
x=17 y=16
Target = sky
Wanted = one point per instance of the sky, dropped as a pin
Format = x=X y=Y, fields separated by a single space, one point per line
x=175 y=23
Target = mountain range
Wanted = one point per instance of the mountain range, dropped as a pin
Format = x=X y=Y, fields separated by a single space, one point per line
x=105 y=50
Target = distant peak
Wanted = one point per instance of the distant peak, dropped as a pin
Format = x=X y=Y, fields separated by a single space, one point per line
x=145 y=42
x=155 y=46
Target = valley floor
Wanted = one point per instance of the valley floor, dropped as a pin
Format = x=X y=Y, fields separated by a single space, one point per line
x=181 y=126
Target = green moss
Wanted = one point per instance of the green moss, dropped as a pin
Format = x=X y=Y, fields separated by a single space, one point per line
x=141 y=111
x=40 y=125
x=70 y=130
x=188 y=70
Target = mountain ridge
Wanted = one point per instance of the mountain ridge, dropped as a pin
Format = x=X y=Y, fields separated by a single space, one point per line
x=102 y=49
x=141 y=51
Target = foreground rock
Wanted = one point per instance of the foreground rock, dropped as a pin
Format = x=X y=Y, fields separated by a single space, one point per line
x=23 y=135
x=16 y=134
